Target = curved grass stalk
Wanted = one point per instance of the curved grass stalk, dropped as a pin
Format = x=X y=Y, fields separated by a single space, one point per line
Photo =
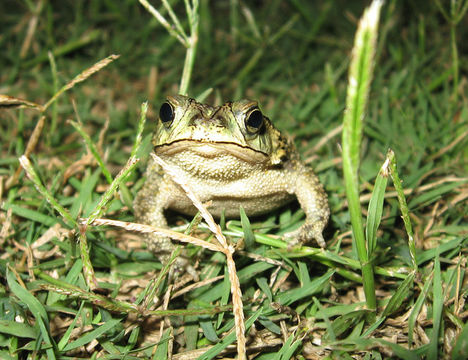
x=360 y=75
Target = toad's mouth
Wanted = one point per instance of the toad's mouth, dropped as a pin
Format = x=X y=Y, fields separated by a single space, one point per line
x=211 y=150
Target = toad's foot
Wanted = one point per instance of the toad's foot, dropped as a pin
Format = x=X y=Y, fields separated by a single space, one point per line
x=304 y=234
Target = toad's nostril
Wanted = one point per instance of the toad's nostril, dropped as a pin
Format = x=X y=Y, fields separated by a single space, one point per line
x=217 y=120
x=199 y=120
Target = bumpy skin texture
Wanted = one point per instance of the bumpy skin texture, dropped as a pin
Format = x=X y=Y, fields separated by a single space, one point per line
x=232 y=156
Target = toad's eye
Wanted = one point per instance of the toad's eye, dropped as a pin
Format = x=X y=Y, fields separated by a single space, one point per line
x=254 y=121
x=166 y=113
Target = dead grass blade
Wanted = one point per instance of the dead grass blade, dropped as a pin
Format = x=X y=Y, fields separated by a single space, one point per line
x=32 y=142
x=228 y=250
x=82 y=77
x=148 y=229
x=32 y=26
x=10 y=102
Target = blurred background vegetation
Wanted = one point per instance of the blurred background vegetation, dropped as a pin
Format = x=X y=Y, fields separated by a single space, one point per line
x=291 y=56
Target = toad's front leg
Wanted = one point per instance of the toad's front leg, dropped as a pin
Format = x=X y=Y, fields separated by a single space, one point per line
x=313 y=200
x=149 y=206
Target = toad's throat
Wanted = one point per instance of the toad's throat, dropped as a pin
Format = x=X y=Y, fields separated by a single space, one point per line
x=212 y=150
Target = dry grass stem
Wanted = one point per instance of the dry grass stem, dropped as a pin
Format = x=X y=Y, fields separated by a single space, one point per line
x=148 y=229
x=236 y=292
x=460 y=198
x=102 y=134
x=196 y=286
x=79 y=166
x=163 y=21
x=32 y=142
x=325 y=139
x=258 y=257
x=450 y=146
x=178 y=178
x=10 y=102
x=32 y=26
x=152 y=81
x=419 y=189
x=82 y=77
x=6 y=223
x=90 y=71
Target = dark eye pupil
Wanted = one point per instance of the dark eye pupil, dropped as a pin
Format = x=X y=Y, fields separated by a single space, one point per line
x=166 y=113
x=255 y=119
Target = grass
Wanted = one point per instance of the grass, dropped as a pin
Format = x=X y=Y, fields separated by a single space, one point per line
x=74 y=290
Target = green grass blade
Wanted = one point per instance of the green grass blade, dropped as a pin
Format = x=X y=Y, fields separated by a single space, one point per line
x=36 y=308
x=124 y=173
x=162 y=20
x=66 y=336
x=119 y=179
x=403 y=206
x=88 y=270
x=437 y=306
x=140 y=128
x=93 y=150
x=399 y=296
x=193 y=18
x=65 y=288
x=249 y=236
x=163 y=345
x=87 y=338
x=460 y=349
x=379 y=321
x=132 y=339
x=416 y=309
x=30 y=214
x=347 y=321
x=80 y=77
x=263 y=285
x=290 y=296
x=55 y=82
x=375 y=209
x=360 y=75
x=330 y=334
x=174 y=19
x=288 y=348
x=208 y=329
x=226 y=294
x=228 y=339
x=400 y=351
x=85 y=195
x=18 y=329
x=34 y=177
x=247 y=273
